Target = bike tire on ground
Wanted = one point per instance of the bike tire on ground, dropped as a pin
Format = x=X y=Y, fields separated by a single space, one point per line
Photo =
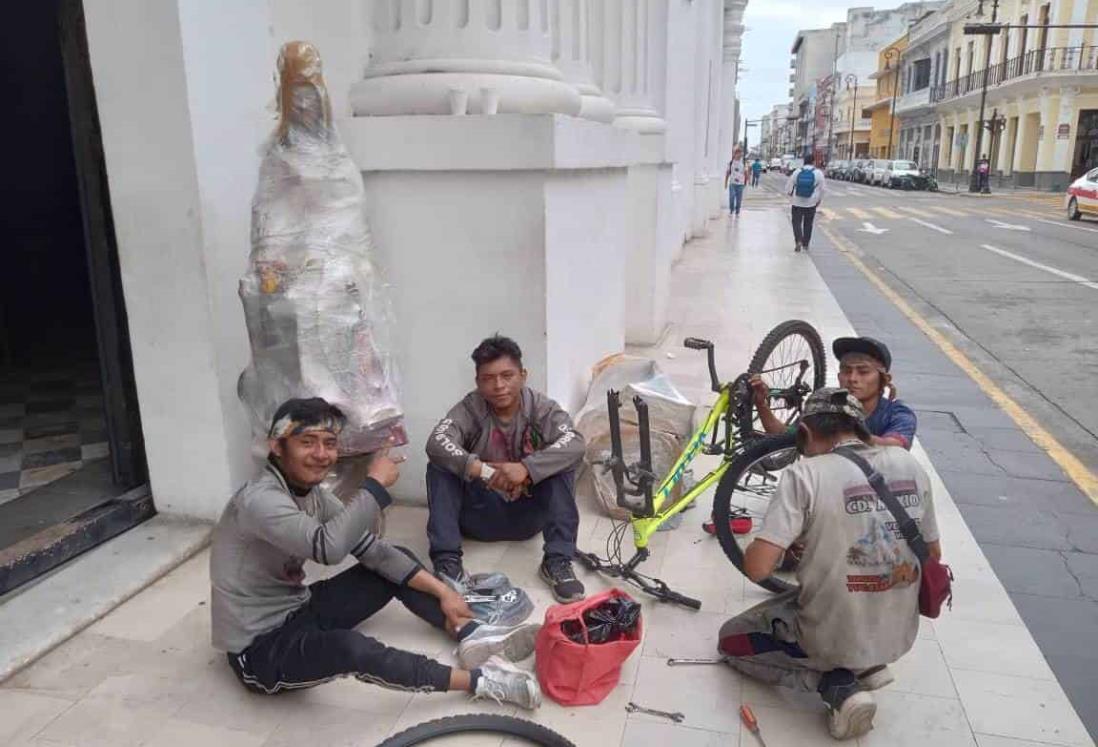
x=477 y=722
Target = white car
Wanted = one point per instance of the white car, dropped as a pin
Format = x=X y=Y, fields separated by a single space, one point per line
x=775 y=163
x=1082 y=196
x=877 y=169
x=897 y=170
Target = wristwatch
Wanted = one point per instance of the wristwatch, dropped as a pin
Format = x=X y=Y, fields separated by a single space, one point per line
x=486 y=472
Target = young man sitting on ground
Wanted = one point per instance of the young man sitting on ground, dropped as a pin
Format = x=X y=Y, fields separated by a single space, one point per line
x=502 y=466
x=857 y=606
x=864 y=365
x=281 y=634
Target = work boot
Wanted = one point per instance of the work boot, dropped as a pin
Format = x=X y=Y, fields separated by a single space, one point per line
x=512 y=644
x=449 y=570
x=558 y=574
x=850 y=709
x=503 y=683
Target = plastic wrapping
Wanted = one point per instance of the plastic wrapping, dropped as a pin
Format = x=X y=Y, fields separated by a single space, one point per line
x=318 y=316
x=670 y=417
x=612 y=620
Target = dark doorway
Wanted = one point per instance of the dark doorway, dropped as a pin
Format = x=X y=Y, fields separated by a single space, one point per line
x=1086 y=144
x=71 y=452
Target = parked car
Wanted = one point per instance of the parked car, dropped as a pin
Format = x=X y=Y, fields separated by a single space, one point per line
x=836 y=169
x=1082 y=196
x=792 y=165
x=775 y=164
x=901 y=174
x=876 y=171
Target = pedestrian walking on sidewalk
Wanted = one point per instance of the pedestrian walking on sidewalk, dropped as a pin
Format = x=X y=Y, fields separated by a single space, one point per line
x=734 y=180
x=805 y=188
x=756 y=169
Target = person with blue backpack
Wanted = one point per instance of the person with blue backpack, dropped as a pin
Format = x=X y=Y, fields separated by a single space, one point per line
x=805 y=188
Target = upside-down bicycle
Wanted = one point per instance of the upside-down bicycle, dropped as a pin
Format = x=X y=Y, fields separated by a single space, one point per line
x=792 y=362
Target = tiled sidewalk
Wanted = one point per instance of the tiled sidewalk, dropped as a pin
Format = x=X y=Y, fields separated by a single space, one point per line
x=145 y=675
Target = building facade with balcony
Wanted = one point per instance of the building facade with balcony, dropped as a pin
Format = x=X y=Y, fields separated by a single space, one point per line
x=923 y=67
x=1041 y=115
x=884 y=120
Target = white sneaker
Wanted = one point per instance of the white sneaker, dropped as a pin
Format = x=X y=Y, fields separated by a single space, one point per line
x=876 y=677
x=854 y=717
x=513 y=644
x=503 y=683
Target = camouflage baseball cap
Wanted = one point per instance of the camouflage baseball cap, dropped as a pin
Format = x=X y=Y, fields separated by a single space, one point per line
x=833 y=400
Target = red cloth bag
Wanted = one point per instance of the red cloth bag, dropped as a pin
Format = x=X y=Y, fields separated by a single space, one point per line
x=580 y=673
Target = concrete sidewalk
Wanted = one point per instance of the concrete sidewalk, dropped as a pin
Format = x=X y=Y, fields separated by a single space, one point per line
x=145 y=675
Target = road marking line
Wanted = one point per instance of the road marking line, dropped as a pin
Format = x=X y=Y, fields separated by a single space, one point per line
x=1086 y=480
x=950 y=211
x=859 y=214
x=1052 y=270
x=939 y=229
x=995 y=223
x=885 y=212
x=916 y=211
x=1064 y=224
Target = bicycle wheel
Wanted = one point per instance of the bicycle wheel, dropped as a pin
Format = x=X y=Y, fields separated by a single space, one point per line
x=477 y=722
x=791 y=357
x=745 y=490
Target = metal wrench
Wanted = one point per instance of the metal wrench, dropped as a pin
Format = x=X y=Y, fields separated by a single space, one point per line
x=632 y=707
x=680 y=662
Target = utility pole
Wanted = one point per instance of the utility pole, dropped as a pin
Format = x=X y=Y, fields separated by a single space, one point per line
x=974 y=182
x=831 y=107
x=852 y=78
x=888 y=55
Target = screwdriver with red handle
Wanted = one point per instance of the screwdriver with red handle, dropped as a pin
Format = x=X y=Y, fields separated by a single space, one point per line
x=751 y=723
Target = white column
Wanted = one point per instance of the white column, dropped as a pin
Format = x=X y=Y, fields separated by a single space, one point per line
x=730 y=59
x=427 y=56
x=571 y=53
x=628 y=33
x=1064 y=147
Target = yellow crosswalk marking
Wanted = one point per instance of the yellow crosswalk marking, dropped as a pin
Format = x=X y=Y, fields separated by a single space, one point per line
x=829 y=214
x=916 y=211
x=859 y=214
x=949 y=211
x=885 y=212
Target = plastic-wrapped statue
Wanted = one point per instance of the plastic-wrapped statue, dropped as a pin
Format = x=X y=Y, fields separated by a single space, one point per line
x=317 y=312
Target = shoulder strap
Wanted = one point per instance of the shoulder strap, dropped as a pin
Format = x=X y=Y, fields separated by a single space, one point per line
x=908 y=528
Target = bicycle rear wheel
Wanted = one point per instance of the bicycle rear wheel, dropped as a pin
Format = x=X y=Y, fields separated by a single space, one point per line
x=745 y=490
x=791 y=357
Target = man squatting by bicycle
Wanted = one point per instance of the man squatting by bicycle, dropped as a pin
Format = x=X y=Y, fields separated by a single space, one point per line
x=864 y=371
x=857 y=606
x=280 y=633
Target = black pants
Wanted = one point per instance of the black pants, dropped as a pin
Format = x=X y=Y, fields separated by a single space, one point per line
x=802 y=224
x=469 y=508
x=318 y=642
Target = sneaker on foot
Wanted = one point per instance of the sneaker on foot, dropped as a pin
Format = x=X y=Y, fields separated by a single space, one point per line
x=506 y=684
x=450 y=571
x=558 y=573
x=796 y=247
x=511 y=644
x=854 y=716
x=875 y=678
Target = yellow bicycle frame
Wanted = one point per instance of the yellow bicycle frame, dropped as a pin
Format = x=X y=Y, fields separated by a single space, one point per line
x=645 y=527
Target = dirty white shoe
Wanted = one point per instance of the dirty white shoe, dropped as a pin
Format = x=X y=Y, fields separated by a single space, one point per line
x=875 y=678
x=504 y=683
x=854 y=717
x=511 y=643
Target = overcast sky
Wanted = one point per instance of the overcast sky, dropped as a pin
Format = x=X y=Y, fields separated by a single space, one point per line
x=772 y=26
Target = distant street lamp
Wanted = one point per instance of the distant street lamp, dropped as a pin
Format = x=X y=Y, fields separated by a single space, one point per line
x=852 y=79
x=890 y=54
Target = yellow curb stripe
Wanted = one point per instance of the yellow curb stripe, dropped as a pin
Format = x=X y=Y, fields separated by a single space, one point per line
x=859 y=214
x=1086 y=480
x=886 y=213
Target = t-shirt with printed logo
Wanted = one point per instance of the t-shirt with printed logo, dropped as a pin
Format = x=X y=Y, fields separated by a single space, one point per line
x=859 y=592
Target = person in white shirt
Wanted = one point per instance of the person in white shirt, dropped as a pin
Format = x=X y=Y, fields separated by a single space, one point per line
x=734 y=180
x=805 y=188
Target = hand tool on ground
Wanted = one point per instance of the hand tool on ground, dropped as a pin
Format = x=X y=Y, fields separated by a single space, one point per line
x=751 y=723
x=681 y=662
x=632 y=707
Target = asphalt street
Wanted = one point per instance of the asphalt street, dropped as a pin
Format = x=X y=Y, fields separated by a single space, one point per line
x=1014 y=286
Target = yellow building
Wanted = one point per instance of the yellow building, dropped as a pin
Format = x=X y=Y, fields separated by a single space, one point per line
x=1042 y=93
x=882 y=117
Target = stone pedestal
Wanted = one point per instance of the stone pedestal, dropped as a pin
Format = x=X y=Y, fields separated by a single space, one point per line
x=461 y=56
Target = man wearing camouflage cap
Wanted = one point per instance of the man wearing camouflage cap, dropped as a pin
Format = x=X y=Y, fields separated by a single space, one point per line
x=856 y=609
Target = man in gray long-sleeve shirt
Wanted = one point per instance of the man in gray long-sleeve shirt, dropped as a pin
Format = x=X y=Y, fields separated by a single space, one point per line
x=501 y=468
x=280 y=634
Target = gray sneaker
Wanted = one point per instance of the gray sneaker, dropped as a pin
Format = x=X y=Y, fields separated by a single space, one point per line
x=503 y=683
x=512 y=644
x=853 y=718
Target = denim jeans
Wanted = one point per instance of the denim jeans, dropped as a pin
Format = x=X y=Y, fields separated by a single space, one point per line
x=735 y=198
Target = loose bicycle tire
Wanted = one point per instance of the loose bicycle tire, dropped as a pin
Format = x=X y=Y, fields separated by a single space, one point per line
x=722 y=501
x=746 y=415
x=477 y=722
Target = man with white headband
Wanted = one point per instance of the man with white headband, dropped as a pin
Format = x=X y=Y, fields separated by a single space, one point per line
x=864 y=365
x=281 y=634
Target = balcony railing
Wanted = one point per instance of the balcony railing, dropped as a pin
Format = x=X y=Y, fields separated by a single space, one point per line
x=1049 y=60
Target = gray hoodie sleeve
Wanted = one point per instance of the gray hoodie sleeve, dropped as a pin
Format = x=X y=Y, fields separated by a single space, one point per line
x=563 y=448
x=445 y=445
x=272 y=515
